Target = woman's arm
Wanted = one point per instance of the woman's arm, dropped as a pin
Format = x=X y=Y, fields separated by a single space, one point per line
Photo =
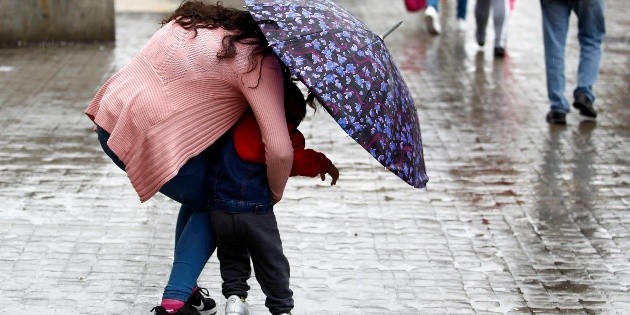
x=263 y=88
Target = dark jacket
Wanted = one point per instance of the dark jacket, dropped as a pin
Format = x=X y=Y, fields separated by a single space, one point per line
x=236 y=186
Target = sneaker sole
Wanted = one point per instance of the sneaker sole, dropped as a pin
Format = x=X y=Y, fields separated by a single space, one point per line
x=555 y=121
x=588 y=118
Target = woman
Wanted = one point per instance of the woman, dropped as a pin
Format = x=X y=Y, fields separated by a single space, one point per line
x=500 y=12
x=159 y=115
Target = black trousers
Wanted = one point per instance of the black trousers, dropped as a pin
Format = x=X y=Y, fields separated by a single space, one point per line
x=244 y=235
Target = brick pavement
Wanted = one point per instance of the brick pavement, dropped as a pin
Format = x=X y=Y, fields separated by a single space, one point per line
x=519 y=217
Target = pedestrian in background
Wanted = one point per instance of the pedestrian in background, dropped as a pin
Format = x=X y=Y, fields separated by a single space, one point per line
x=241 y=208
x=432 y=16
x=500 y=12
x=591 y=31
x=159 y=116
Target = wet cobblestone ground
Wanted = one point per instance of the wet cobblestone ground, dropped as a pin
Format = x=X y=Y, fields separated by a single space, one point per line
x=519 y=217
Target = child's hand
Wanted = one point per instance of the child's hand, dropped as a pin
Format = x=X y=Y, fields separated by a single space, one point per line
x=333 y=172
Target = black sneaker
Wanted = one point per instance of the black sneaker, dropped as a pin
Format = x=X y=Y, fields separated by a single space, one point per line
x=585 y=106
x=480 y=36
x=499 y=52
x=200 y=301
x=556 y=118
x=186 y=310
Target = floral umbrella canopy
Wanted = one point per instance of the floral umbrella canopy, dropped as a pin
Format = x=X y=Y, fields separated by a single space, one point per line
x=351 y=72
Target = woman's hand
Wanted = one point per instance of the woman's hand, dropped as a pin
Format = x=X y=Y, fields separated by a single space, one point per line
x=333 y=172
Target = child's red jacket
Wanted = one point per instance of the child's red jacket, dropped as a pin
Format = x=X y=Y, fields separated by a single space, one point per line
x=250 y=148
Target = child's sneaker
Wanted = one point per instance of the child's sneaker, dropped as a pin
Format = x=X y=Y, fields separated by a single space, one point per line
x=236 y=305
x=186 y=310
x=204 y=304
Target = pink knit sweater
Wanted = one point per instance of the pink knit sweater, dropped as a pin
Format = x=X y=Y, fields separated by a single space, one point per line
x=175 y=98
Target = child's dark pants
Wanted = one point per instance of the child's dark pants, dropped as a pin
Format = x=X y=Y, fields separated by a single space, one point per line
x=241 y=211
x=240 y=235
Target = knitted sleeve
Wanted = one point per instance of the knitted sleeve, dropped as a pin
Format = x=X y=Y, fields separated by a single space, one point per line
x=263 y=88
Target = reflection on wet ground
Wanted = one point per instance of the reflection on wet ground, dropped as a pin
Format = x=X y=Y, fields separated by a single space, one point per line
x=556 y=188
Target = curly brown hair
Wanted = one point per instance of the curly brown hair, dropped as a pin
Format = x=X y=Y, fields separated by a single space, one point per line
x=196 y=14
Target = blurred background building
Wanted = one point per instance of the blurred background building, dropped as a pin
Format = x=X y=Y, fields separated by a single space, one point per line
x=33 y=21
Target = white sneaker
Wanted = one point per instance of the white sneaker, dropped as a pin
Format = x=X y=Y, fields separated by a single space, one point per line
x=236 y=305
x=432 y=18
x=461 y=24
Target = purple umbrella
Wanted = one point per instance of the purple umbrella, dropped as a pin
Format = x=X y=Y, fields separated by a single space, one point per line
x=352 y=74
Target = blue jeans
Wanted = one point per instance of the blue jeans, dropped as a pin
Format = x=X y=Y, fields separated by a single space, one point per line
x=461 y=7
x=195 y=240
x=591 y=31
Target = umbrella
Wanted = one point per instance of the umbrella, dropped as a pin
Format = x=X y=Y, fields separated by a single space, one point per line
x=352 y=74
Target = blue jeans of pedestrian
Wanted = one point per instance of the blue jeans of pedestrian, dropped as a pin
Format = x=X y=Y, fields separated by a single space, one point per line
x=461 y=7
x=591 y=31
x=195 y=240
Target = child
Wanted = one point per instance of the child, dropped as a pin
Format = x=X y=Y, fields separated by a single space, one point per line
x=241 y=208
x=306 y=162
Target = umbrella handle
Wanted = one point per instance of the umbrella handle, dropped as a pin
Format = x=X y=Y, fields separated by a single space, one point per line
x=391 y=29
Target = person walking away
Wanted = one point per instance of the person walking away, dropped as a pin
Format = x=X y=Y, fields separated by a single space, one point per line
x=500 y=12
x=159 y=116
x=432 y=16
x=591 y=32
x=242 y=214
